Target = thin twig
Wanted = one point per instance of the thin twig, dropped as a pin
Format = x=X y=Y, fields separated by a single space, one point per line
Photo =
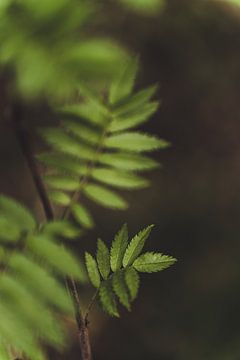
x=23 y=139
x=90 y=306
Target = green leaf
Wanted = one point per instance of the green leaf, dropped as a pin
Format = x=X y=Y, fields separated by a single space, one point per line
x=57 y=256
x=132 y=119
x=107 y=299
x=30 y=310
x=103 y=259
x=11 y=329
x=132 y=281
x=137 y=142
x=152 y=262
x=4 y=353
x=9 y=231
x=119 y=179
x=104 y=197
x=122 y=86
x=82 y=131
x=61 y=228
x=63 y=142
x=82 y=215
x=92 y=269
x=95 y=58
x=118 y=248
x=89 y=110
x=62 y=182
x=136 y=245
x=16 y=213
x=60 y=198
x=64 y=163
x=134 y=102
x=120 y=288
x=41 y=283
x=132 y=162
x=92 y=97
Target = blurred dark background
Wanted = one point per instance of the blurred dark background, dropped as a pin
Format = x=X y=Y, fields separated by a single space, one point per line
x=192 y=310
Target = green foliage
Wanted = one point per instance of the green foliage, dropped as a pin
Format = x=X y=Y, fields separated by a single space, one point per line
x=153 y=262
x=92 y=269
x=120 y=288
x=92 y=152
x=136 y=245
x=103 y=259
x=123 y=282
x=61 y=228
x=132 y=281
x=95 y=152
x=43 y=43
x=118 y=248
x=123 y=84
x=32 y=269
x=108 y=299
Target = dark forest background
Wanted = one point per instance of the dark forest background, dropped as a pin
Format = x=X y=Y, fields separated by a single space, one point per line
x=192 y=310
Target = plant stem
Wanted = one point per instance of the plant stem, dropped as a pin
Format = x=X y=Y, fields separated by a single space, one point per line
x=90 y=305
x=23 y=139
x=83 y=333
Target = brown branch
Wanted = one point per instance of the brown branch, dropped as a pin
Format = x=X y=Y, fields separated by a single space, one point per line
x=83 y=333
x=23 y=139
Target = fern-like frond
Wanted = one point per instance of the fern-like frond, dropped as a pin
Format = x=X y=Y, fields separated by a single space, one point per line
x=125 y=264
x=93 y=151
x=33 y=265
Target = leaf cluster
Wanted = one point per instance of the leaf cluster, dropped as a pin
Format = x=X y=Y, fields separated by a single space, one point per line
x=96 y=151
x=115 y=273
x=33 y=264
x=45 y=43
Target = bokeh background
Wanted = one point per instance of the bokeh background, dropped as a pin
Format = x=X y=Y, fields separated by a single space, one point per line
x=192 y=310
